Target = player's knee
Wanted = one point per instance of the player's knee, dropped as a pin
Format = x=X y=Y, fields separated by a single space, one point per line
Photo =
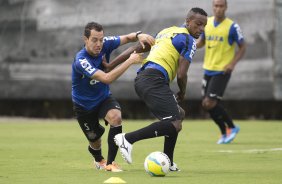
x=181 y=112
x=114 y=119
x=178 y=125
x=208 y=104
x=205 y=105
x=96 y=134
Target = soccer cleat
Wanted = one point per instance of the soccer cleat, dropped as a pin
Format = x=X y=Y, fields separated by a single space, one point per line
x=125 y=147
x=222 y=139
x=100 y=165
x=232 y=135
x=114 y=167
x=174 y=168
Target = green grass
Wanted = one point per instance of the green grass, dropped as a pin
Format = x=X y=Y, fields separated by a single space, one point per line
x=55 y=151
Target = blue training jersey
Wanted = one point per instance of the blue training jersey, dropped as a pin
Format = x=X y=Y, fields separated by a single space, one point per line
x=86 y=92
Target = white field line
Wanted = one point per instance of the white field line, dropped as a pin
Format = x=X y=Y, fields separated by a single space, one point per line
x=251 y=150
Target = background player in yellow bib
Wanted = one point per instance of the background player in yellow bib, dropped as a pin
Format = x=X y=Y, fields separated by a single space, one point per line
x=170 y=57
x=220 y=38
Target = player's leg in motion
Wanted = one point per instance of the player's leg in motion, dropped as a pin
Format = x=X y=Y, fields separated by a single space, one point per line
x=156 y=129
x=170 y=141
x=93 y=132
x=113 y=117
x=95 y=149
x=214 y=88
x=154 y=90
x=210 y=105
x=110 y=111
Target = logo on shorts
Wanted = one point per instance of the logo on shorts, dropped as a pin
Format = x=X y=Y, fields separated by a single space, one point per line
x=212 y=95
x=168 y=117
x=156 y=133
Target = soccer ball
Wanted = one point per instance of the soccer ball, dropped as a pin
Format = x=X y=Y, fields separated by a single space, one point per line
x=157 y=164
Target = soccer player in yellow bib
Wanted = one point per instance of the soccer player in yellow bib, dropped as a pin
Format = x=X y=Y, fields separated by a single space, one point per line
x=170 y=57
x=220 y=38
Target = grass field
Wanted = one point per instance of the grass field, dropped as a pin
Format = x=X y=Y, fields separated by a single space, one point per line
x=55 y=151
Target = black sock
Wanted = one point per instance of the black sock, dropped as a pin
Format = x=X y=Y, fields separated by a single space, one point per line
x=112 y=147
x=169 y=146
x=97 y=154
x=217 y=116
x=156 y=129
x=227 y=119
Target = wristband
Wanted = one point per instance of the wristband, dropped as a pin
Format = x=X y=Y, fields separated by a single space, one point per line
x=138 y=33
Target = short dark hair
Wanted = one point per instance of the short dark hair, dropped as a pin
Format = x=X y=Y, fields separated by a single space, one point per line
x=92 y=25
x=225 y=2
x=195 y=11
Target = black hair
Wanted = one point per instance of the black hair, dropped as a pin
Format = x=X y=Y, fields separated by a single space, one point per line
x=92 y=25
x=195 y=11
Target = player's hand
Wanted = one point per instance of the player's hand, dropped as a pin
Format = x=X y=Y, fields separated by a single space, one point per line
x=180 y=96
x=145 y=38
x=228 y=69
x=136 y=58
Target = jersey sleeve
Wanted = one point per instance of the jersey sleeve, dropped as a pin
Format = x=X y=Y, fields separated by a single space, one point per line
x=235 y=34
x=110 y=44
x=84 y=67
x=186 y=45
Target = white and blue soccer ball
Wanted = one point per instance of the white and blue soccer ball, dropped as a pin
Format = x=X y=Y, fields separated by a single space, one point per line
x=157 y=164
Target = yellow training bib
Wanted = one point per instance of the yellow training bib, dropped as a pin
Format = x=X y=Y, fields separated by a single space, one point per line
x=218 y=52
x=164 y=53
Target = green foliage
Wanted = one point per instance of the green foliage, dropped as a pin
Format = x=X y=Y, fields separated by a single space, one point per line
x=55 y=151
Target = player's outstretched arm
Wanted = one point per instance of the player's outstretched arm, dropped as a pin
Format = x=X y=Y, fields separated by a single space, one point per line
x=141 y=37
x=108 y=78
x=138 y=48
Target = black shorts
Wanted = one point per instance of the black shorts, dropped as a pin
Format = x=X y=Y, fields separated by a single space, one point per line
x=214 y=86
x=89 y=120
x=152 y=87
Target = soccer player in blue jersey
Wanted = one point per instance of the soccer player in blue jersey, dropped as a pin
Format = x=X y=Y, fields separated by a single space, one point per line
x=220 y=38
x=91 y=96
x=170 y=57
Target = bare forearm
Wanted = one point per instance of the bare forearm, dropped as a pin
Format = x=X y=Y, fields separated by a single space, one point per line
x=109 y=77
x=182 y=84
x=120 y=58
x=131 y=37
x=200 y=43
x=125 y=55
x=239 y=54
x=117 y=72
x=182 y=74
